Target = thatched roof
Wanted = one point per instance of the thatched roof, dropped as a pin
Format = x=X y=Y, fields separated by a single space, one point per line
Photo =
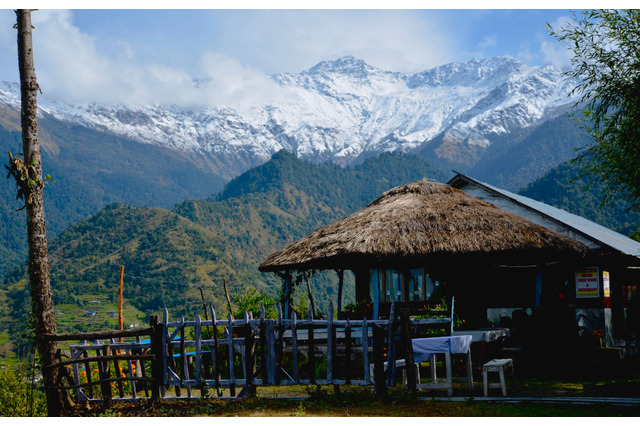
x=422 y=222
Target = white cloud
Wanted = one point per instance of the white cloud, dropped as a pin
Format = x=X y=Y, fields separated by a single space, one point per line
x=406 y=41
x=73 y=65
x=554 y=52
x=489 y=41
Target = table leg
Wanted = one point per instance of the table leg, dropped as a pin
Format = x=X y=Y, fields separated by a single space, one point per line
x=432 y=364
x=449 y=374
x=469 y=370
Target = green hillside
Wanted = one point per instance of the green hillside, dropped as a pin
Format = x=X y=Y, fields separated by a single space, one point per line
x=169 y=255
x=526 y=158
x=563 y=187
x=91 y=170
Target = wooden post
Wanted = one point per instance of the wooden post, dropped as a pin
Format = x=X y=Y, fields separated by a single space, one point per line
x=376 y=295
x=294 y=346
x=270 y=352
x=226 y=293
x=410 y=366
x=347 y=350
x=250 y=356
x=378 y=360
x=232 y=372
x=120 y=325
x=105 y=374
x=216 y=352
x=340 y=273
x=311 y=304
x=391 y=347
x=330 y=345
x=311 y=354
x=287 y=294
x=157 y=364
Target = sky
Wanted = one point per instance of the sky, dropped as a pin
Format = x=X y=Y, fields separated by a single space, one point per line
x=153 y=56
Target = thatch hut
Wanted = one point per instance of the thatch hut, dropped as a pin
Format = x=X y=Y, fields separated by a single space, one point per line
x=402 y=245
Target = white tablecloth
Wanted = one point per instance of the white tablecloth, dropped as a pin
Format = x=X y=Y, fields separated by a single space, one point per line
x=484 y=334
x=424 y=348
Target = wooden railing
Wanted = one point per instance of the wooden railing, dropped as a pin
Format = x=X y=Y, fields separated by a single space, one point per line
x=88 y=371
x=230 y=358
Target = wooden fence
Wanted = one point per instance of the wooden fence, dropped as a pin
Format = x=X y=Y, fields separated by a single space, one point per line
x=230 y=358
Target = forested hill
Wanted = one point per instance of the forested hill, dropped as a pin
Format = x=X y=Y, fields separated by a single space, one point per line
x=564 y=187
x=91 y=169
x=168 y=255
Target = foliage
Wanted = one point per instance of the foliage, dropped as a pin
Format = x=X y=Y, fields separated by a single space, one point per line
x=252 y=301
x=564 y=188
x=358 y=310
x=606 y=60
x=19 y=396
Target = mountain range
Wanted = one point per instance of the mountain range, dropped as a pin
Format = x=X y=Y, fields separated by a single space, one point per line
x=460 y=114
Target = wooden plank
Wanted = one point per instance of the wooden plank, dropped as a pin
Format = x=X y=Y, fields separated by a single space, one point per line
x=340 y=273
x=87 y=367
x=100 y=335
x=378 y=360
x=410 y=367
x=347 y=354
x=330 y=344
x=232 y=373
x=250 y=356
x=270 y=356
x=215 y=355
x=118 y=372
x=97 y=359
x=311 y=353
x=365 y=350
x=294 y=344
x=279 y=346
x=141 y=371
x=198 y=339
x=183 y=356
x=165 y=321
x=132 y=382
x=262 y=336
x=391 y=359
x=376 y=294
x=105 y=382
x=105 y=375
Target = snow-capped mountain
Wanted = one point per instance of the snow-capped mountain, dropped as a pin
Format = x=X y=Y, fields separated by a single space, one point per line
x=344 y=109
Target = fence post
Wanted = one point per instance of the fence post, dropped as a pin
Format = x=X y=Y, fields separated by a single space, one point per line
x=105 y=374
x=157 y=366
x=250 y=357
x=410 y=366
x=378 y=360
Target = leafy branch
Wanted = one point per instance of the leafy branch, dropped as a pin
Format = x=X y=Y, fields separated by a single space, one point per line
x=24 y=174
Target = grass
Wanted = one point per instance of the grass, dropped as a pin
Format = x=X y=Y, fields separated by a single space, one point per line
x=355 y=402
x=598 y=377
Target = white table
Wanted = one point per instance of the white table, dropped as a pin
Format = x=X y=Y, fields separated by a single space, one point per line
x=426 y=349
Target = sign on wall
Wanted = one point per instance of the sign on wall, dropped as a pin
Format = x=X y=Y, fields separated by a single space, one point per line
x=605 y=284
x=587 y=282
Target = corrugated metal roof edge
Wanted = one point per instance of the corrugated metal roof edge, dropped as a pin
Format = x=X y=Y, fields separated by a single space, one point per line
x=506 y=194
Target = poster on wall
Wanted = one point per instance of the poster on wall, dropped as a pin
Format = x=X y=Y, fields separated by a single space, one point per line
x=605 y=284
x=587 y=282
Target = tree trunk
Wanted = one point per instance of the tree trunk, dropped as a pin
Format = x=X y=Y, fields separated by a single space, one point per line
x=41 y=296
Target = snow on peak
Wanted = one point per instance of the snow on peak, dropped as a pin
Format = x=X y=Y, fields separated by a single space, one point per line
x=338 y=110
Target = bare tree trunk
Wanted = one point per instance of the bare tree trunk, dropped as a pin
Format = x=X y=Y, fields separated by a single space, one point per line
x=41 y=295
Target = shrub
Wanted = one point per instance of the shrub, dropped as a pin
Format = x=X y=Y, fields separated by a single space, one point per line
x=19 y=397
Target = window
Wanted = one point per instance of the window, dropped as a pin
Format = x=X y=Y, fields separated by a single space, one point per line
x=401 y=285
